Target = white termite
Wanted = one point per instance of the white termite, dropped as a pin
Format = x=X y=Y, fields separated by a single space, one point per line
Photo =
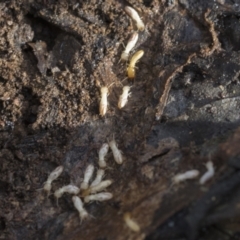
x=124 y=97
x=98 y=197
x=78 y=204
x=99 y=177
x=53 y=176
x=71 y=189
x=135 y=17
x=209 y=174
x=87 y=176
x=185 y=176
x=130 y=45
x=131 y=223
x=101 y=186
x=117 y=154
x=102 y=154
x=103 y=102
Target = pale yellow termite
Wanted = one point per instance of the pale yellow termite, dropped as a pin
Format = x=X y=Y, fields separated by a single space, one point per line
x=102 y=154
x=71 y=189
x=133 y=61
x=97 y=188
x=104 y=196
x=101 y=186
x=103 y=102
x=53 y=176
x=98 y=179
x=117 y=154
x=124 y=97
x=131 y=223
x=191 y=174
x=135 y=17
x=209 y=174
x=130 y=45
x=78 y=204
x=87 y=176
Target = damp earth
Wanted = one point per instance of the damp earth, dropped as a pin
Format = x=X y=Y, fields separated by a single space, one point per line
x=183 y=111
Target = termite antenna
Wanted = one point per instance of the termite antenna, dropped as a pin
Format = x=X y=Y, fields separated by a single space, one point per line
x=111 y=84
x=124 y=80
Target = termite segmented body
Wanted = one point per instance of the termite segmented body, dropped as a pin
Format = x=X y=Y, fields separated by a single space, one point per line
x=135 y=17
x=133 y=61
x=87 y=176
x=101 y=186
x=71 y=189
x=124 y=97
x=98 y=197
x=78 y=204
x=98 y=178
x=185 y=176
x=117 y=154
x=103 y=102
x=130 y=223
x=209 y=174
x=53 y=176
x=130 y=45
x=102 y=154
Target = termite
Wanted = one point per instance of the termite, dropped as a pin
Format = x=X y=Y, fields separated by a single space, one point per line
x=124 y=97
x=184 y=176
x=53 y=176
x=130 y=45
x=98 y=197
x=101 y=155
x=87 y=176
x=78 y=204
x=209 y=174
x=98 y=178
x=101 y=186
x=130 y=223
x=66 y=189
x=133 y=61
x=117 y=154
x=97 y=188
x=103 y=101
x=135 y=17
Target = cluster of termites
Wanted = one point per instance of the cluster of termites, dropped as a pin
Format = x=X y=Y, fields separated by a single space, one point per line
x=123 y=98
x=192 y=174
x=89 y=190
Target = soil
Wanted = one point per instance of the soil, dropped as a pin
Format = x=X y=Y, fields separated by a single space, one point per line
x=182 y=112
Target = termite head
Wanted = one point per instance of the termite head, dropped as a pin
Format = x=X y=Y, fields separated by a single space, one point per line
x=47 y=187
x=84 y=215
x=124 y=56
x=126 y=89
x=104 y=90
x=209 y=165
x=58 y=193
x=112 y=143
x=131 y=72
x=102 y=164
x=140 y=26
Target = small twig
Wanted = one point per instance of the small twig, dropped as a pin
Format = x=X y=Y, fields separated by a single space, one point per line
x=163 y=99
